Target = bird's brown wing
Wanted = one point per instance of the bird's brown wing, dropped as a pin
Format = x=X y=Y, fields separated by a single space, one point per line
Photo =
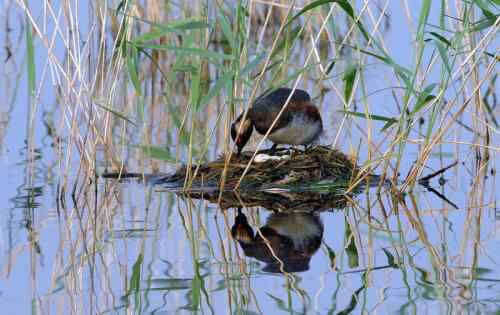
x=263 y=118
x=266 y=108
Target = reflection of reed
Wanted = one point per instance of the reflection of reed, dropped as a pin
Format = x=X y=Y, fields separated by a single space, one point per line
x=427 y=272
x=383 y=242
x=448 y=271
x=4 y=122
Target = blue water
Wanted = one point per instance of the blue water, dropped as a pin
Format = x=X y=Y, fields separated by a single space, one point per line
x=62 y=258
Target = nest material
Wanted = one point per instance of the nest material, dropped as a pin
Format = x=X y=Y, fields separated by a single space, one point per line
x=282 y=201
x=299 y=169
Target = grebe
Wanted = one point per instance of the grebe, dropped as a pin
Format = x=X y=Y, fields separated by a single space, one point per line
x=299 y=124
x=286 y=242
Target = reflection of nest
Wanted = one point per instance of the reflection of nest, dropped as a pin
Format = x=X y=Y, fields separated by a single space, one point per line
x=301 y=171
x=277 y=200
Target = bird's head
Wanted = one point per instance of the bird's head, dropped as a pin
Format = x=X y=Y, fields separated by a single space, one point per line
x=241 y=130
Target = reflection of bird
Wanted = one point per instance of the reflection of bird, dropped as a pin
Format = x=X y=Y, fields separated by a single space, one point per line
x=293 y=237
x=300 y=122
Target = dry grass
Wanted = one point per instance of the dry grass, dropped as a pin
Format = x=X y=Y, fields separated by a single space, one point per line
x=119 y=84
x=148 y=86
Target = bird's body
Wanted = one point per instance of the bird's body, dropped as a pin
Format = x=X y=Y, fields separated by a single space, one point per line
x=299 y=124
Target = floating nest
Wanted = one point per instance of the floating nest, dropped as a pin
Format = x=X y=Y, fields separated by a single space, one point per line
x=319 y=167
x=287 y=180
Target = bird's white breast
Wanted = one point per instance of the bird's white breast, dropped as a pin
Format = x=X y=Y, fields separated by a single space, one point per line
x=299 y=130
x=300 y=228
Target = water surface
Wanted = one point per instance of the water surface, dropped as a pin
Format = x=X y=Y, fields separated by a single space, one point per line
x=110 y=246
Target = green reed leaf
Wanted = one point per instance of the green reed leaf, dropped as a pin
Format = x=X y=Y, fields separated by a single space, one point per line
x=116 y=113
x=484 y=8
x=351 y=249
x=168 y=284
x=135 y=279
x=346 y=6
x=196 y=292
x=197 y=288
x=441 y=38
x=329 y=68
x=391 y=261
x=187 y=50
x=349 y=77
x=308 y=7
x=370 y=116
x=30 y=55
x=185 y=68
x=132 y=68
x=483 y=24
x=158 y=31
x=188 y=25
x=159 y=153
x=424 y=98
x=280 y=303
x=401 y=71
x=227 y=31
x=422 y=20
x=332 y=257
x=195 y=89
x=353 y=302
x=443 y=53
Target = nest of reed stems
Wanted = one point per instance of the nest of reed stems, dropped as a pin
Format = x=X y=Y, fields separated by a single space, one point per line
x=292 y=169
